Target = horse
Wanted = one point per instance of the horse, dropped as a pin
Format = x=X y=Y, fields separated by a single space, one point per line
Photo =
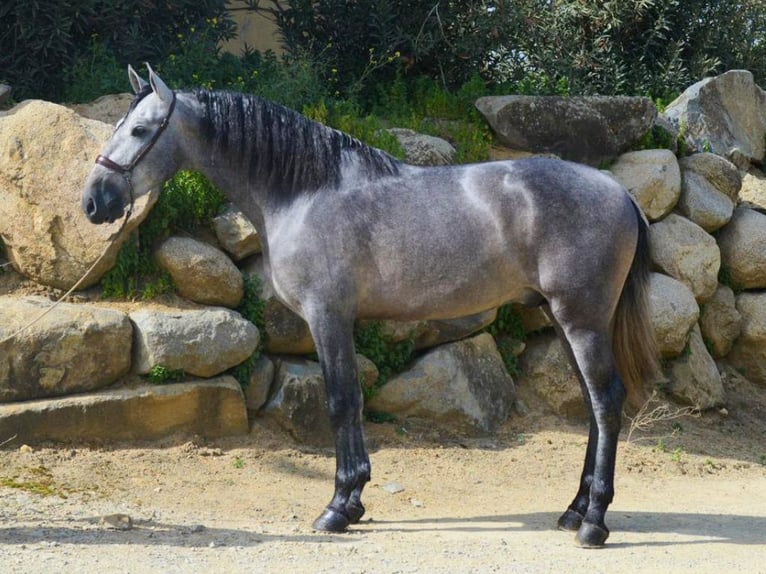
x=349 y=232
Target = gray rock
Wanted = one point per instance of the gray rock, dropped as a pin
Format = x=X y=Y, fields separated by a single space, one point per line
x=652 y=177
x=203 y=342
x=74 y=348
x=422 y=149
x=674 y=313
x=236 y=233
x=726 y=114
x=463 y=386
x=201 y=272
x=709 y=187
x=748 y=354
x=743 y=249
x=259 y=385
x=752 y=194
x=212 y=408
x=686 y=252
x=5 y=93
x=428 y=334
x=720 y=322
x=545 y=368
x=298 y=402
x=46 y=154
x=694 y=378
x=588 y=129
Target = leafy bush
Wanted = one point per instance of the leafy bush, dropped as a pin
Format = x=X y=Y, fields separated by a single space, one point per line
x=390 y=357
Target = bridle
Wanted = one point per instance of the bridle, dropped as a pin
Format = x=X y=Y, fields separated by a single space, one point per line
x=125 y=170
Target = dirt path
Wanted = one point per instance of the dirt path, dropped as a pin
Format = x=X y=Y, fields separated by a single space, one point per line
x=695 y=501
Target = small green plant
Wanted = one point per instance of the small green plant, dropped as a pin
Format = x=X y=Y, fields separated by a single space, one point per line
x=660 y=445
x=251 y=308
x=508 y=331
x=161 y=375
x=238 y=462
x=390 y=357
x=677 y=454
x=187 y=202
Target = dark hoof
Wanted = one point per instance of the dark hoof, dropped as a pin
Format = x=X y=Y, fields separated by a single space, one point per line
x=591 y=536
x=570 y=520
x=354 y=512
x=331 y=521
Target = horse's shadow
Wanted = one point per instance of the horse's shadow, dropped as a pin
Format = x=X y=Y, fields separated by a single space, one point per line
x=699 y=527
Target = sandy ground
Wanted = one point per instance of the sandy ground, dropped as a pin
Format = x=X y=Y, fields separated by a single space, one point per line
x=691 y=496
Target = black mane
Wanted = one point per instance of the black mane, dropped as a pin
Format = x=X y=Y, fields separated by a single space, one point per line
x=281 y=148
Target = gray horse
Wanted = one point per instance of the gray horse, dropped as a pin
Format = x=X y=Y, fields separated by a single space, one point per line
x=350 y=232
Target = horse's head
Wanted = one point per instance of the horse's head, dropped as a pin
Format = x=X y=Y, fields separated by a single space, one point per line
x=138 y=157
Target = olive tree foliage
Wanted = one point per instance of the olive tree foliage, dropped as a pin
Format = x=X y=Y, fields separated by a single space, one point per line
x=652 y=47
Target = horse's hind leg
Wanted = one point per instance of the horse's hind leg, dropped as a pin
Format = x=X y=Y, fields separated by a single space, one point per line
x=333 y=336
x=591 y=348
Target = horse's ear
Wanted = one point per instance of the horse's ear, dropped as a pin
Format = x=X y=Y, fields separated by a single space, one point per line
x=158 y=86
x=136 y=81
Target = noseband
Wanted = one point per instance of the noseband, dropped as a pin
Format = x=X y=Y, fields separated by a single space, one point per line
x=125 y=170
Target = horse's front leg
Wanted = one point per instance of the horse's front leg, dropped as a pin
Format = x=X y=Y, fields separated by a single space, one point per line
x=333 y=336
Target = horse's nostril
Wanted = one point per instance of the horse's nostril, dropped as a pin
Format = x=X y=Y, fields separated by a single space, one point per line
x=90 y=207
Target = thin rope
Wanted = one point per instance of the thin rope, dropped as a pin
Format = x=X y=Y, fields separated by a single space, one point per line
x=76 y=285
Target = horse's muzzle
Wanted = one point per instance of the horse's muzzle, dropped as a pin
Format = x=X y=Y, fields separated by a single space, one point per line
x=103 y=206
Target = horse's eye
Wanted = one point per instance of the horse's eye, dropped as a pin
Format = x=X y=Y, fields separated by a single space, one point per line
x=138 y=131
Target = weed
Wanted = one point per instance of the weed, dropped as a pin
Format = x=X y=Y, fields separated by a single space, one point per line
x=649 y=415
x=160 y=375
x=390 y=357
x=508 y=331
x=380 y=418
x=251 y=308
x=677 y=454
x=238 y=462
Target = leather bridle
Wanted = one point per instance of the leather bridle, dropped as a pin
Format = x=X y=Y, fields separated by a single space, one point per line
x=125 y=170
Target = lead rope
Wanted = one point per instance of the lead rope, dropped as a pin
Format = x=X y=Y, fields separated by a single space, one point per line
x=79 y=281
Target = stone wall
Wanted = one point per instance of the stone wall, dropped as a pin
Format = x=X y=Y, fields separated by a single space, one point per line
x=84 y=361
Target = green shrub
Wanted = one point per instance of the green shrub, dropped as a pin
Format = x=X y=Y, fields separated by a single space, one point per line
x=390 y=357
x=187 y=201
x=508 y=331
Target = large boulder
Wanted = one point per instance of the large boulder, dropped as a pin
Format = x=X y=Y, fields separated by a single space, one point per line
x=211 y=409
x=674 y=312
x=587 y=129
x=686 y=252
x=748 y=354
x=200 y=272
x=73 y=348
x=546 y=369
x=202 y=342
x=720 y=322
x=743 y=249
x=46 y=153
x=694 y=378
x=709 y=189
x=463 y=386
x=652 y=177
x=726 y=114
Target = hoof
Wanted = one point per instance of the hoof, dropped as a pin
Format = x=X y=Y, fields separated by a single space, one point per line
x=331 y=521
x=354 y=512
x=591 y=536
x=570 y=520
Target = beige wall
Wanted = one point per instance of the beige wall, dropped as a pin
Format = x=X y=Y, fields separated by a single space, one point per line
x=257 y=31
